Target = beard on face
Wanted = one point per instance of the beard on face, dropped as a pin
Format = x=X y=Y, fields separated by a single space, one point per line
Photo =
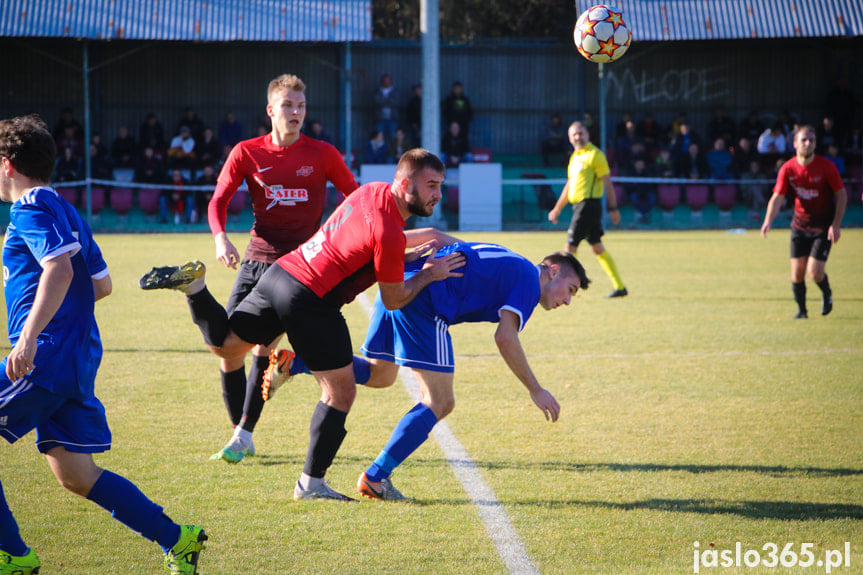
x=417 y=207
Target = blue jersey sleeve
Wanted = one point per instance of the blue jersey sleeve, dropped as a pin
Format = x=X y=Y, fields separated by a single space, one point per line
x=46 y=232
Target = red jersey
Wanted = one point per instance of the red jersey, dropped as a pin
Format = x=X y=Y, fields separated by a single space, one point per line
x=363 y=241
x=287 y=186
x=815 y=188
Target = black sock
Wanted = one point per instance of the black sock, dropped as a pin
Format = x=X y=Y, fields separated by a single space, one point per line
x=800 y=295
x=234 y=393
x=210 y=317
x=326 y=433
x=254 y=400
x=825 y=285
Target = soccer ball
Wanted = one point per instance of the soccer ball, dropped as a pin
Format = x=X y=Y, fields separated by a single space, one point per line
x=601 y=35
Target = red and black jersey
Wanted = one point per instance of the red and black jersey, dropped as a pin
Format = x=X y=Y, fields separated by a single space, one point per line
x=287 y=186
x=815 y=188
x=363 y=241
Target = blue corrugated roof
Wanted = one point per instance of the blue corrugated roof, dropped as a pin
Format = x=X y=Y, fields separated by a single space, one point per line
x=727 y=19
x=206 y=20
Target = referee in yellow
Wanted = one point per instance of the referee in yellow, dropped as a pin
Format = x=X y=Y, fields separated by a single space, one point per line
x=588 y=177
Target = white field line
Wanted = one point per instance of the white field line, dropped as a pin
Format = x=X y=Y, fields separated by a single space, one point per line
x=684 y=354
x=503 y=535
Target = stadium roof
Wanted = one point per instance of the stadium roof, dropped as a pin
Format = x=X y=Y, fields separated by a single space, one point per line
x=204 y=20
x=730 y=19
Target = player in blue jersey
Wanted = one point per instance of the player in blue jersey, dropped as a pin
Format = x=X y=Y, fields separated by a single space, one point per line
x=53 y=274
x=498 y=286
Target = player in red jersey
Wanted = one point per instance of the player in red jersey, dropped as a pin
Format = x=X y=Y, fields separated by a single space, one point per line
x=819 y=205
x=361 y=242
x=286 y=174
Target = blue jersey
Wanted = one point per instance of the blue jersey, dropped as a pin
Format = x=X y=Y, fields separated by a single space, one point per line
x=495 y=279
x=43 y=226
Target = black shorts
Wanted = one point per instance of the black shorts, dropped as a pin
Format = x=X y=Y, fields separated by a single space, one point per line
x=280 y=303
x=247 y=278
x=586 y=222
x=812 y=244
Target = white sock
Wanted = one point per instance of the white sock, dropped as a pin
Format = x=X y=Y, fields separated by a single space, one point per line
x=196 y=286
x=307 y=482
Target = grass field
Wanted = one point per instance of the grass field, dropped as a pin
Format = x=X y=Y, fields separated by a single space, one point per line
x=694 y=410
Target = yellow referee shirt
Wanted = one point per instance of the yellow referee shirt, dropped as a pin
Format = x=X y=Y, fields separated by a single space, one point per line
x=586 y=168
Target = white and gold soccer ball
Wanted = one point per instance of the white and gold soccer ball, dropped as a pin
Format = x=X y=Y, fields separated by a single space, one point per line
x=601 y=35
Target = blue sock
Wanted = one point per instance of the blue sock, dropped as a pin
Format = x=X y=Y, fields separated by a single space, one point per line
x=409 y=434
x=133 y=509
x=297 y=366
x=10 y=537
x=362 y=370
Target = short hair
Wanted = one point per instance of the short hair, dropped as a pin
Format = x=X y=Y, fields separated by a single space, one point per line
x=416 y=160
x=566 y=259
x=285 y=81
x=28 y=145
x=804 y=128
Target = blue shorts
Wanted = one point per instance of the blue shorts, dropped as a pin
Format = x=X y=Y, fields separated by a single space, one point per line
x=78 y=424
x=414 y=336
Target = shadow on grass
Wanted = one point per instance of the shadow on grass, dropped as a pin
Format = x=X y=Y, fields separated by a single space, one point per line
x=788 y=510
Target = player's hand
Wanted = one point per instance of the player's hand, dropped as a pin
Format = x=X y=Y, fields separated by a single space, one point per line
x=765 y=227
x=833 y=234
x=614 y=217
x=546 y=402
x=552 y=215
x=20 y=360
x=226 y=252
x=416 y=253
x=442 y=268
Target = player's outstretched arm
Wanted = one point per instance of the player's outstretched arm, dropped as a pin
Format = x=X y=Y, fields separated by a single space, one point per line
x=421 y=236
x=773 y=207
x=506 y=338
x=54 y=283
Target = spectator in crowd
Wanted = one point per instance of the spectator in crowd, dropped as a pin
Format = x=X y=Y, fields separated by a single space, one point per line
x=376 y=148
x=100 y=167
x=772 y=140
x=592 y=127
x=743 y=155
x=836 y=157
x=316 y=131
x=751 y=127
x=208 y=150
x=621 y=128
x=230 y=130
x=720 y=161
x=191 y=120
x=400 y=144
x=720 y=126
x=650 y=132
x=456 y=108
x=641 y=194
x=150 y=168
x=624 y=144
x=70 y=168
x=386 y=99
x=181 y=153
x=151 y=133
x=67 y=120
x=174 y=199
x=455 y=147
x=123 y=149
x=72 y=142
x=101 y=149
x=680 y=143
x=209 y=177
x=753 y=192
x=674 y=128
x=692 y=164
x=414 y=114
x=826 y=134
x=555 y=141
x=664 y=167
